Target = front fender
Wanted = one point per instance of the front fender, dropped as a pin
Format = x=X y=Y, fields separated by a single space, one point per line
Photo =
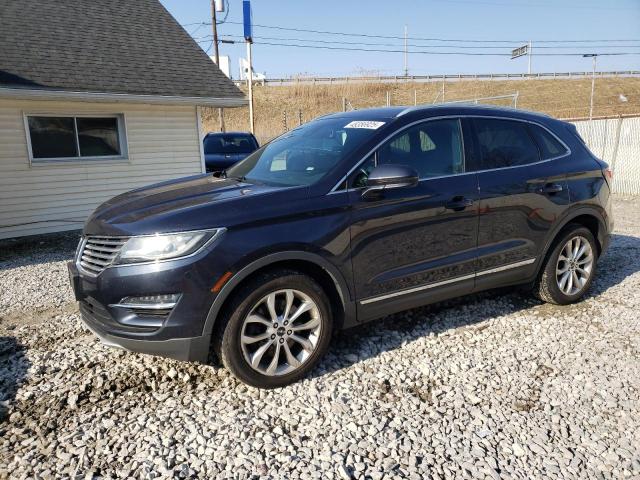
x=341 y=284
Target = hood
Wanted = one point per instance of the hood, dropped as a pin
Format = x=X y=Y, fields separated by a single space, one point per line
x=190 y=203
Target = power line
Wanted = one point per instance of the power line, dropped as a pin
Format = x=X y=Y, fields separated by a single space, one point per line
x=196 y=30
x=343 y=42
x=425 y=52
x=395 y=37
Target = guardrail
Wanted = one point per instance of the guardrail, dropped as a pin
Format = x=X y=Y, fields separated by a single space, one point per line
x=434 y=78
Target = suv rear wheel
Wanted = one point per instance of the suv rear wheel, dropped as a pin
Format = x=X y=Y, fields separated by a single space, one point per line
x=569 y=268
x=276 y=329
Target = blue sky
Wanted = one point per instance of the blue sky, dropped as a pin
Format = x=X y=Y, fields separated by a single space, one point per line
x=497 y=20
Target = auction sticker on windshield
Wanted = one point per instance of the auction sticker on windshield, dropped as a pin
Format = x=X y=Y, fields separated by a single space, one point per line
x=364 y=124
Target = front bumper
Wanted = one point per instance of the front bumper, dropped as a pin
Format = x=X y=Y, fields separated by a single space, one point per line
x=195 y=349
x=178 y=333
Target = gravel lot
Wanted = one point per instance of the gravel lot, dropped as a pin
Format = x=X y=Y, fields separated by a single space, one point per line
x=491 y=386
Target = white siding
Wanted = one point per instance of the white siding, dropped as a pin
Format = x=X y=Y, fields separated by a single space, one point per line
x=163 y=143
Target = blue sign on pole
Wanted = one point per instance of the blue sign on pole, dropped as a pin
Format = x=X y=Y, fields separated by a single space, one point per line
x=246 y=12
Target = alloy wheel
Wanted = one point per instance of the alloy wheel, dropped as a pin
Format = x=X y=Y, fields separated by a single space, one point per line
x=281 y=332
x=575 y=265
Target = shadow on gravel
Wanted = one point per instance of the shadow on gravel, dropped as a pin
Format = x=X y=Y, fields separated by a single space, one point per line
x=38 y=248
x=13 y=369
x=621 y=260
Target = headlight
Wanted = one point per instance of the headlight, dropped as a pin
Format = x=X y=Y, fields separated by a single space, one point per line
x=165 y=246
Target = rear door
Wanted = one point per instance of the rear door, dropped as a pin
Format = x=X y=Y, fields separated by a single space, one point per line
x=415 y=245
x=522 y=193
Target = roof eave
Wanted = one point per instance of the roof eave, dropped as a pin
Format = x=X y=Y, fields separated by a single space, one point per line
x=45 y=94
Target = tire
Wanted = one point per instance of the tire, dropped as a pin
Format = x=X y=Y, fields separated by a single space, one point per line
x=244 y=321
x=557 y=286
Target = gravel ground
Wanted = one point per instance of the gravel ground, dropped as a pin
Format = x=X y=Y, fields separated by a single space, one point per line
x=33 y=273
x=490 y=386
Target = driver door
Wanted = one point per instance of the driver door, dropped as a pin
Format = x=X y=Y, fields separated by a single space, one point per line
x=415 y=245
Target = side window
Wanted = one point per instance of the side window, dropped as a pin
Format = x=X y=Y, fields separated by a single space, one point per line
x=504 y=143
x=360 y=175
x=433 y=148
x=549 y=145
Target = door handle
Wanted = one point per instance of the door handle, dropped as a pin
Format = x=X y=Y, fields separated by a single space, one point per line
x=458 y=203
x=550 y=188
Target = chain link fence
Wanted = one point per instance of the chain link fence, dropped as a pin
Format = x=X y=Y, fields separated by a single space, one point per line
x=617 y=142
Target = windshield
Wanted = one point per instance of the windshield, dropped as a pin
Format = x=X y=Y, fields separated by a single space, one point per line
x=304 y=155
x=229 y=143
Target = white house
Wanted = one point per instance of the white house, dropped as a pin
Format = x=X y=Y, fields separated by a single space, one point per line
x=96 y=98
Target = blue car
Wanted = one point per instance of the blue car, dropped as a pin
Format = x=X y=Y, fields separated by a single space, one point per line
x=223 y=150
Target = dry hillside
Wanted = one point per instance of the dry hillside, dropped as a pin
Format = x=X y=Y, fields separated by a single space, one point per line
x=562 y=98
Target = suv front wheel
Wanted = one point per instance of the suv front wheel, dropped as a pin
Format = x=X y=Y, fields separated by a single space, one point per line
x=275 y=330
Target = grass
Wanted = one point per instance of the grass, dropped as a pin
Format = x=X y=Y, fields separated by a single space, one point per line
x=277 y=106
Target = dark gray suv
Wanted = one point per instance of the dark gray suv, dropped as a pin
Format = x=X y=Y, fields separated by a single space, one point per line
x=348 y=218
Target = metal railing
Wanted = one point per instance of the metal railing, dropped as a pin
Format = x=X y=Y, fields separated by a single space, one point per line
x=435 y=78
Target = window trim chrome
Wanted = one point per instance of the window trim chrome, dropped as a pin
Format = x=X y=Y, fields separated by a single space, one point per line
x=460 y=117
x=143 y=306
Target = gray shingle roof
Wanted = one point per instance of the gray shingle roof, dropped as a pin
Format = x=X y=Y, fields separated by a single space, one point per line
x=111 y=46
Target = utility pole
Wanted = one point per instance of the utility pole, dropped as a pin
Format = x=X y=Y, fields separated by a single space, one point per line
x=594 y=56
x=214 y=26
x=216 y=54
x=250 y=78
x=248 y=36
x=406 y=64
x=530 y=50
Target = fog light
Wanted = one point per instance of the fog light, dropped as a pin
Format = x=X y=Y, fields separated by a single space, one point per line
x=159 y=302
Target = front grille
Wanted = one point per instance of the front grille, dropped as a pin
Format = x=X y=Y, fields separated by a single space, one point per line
x=99 y=252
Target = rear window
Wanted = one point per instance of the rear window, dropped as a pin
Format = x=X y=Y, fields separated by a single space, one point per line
x=229 y=143
x=504 y=143
x=549 y=145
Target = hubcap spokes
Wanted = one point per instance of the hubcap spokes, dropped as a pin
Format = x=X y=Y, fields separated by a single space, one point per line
x=281 y=332
x=574 y=266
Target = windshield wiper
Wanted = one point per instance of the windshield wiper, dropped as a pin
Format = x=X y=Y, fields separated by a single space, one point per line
x=223 y=174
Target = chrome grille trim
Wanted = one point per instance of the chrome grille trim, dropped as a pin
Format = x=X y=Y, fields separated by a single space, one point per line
x=98 y=253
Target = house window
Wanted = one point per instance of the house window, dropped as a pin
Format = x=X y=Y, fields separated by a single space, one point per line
x=76 y=137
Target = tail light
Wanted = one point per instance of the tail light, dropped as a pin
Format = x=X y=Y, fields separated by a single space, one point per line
x=608 y=173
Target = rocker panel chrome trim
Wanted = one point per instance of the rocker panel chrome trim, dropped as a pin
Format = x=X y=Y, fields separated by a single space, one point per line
x=446 y=282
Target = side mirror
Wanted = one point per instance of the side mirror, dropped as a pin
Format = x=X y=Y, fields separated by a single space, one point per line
x=388 y=176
